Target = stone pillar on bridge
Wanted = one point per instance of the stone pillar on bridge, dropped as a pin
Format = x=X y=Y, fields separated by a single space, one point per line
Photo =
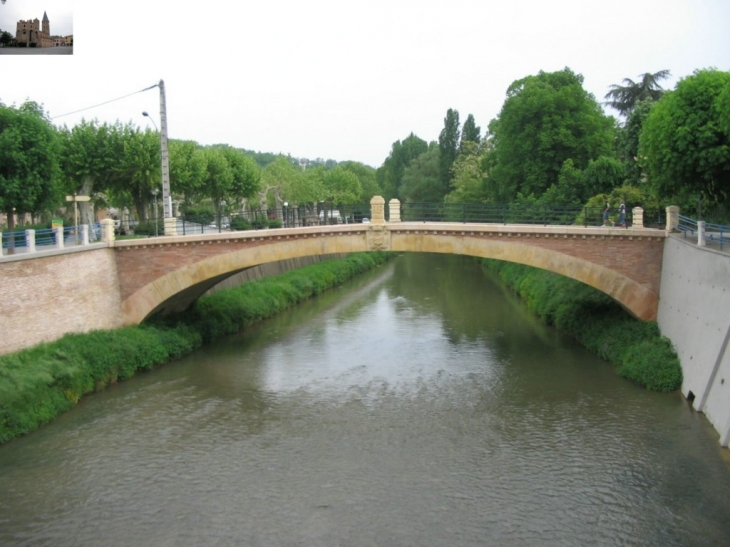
x=170 y=227
x=672 y=218
x=2 y=249
x=30 y=241
x=84 y=234
x=377 y=210
x=701 y=227
x=58 y=234
x=107 y=230
x=394 y=206
x=637 y=217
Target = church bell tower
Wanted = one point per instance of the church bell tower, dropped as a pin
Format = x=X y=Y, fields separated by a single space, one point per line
x=46 y=24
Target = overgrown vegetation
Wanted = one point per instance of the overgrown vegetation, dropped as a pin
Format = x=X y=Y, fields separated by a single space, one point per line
x=637 y=348
x=40 y=383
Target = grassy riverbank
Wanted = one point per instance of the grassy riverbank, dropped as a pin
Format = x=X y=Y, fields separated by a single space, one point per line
x=39 y=383
x=635 y=347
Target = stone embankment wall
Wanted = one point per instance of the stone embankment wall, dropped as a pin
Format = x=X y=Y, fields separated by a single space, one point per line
x=45 y=298
x=694 y=313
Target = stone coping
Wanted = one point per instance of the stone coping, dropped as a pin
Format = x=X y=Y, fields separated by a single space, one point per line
x=53 y=251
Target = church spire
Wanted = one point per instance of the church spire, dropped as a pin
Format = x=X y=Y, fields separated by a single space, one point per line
x=45 y=17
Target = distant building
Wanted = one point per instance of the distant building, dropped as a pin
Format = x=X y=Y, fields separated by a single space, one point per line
x=32 y=34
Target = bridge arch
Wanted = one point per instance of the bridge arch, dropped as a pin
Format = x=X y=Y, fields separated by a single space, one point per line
x=175 y=289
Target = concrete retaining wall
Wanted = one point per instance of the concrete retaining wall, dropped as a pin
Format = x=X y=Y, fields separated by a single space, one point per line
x=694 y=313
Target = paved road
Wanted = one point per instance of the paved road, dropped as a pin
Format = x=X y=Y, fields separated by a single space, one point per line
x=62 y=50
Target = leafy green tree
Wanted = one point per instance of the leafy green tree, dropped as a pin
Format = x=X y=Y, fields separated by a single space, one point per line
x=29 y=161
x=5 y=38
x=422 y=178
x=601 y=175
x=285 y=181
x=366 y=175
x=470 y=133
x=448 y=150
x=470 y=172
x=390 y=175
x=341 y=186
x=90 y=161
x=219 y=177
x=138 y=171
x=624 y=97
x=246 y=173
x=545 y=120
x=628 y=141
x=685 y=142
x=187 y=169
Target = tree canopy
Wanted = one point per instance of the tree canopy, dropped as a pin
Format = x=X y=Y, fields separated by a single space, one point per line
x=29 y=160
x=545 y=120
x=625 y=97
x=685 y=140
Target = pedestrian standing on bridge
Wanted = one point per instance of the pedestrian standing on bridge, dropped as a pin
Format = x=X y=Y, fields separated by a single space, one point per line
x=622 y=214
x=605 y=213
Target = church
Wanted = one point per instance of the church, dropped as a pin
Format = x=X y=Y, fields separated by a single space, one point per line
x=31 y=35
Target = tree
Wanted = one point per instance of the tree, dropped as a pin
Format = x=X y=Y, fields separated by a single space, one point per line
x=137 y=174
x=187 y=169
x=470 y=172
x=286 y=181
x=448 y=150
x=29 y=161
x=367 y=177
x=422 y=178
x=90 y=160
x=685 y=142
x=389 y=176
x=628 y=140
x=246 y=173
x=5 y=38
x=470 y=133
x=545 y=120
x=218 y=179
x=341 y=186
x=624 y=97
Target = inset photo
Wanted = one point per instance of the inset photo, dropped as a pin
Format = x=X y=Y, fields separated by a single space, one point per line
x=36 y=27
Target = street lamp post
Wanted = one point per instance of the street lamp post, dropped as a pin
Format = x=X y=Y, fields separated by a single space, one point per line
x=170 y=221
x=286 y=216
x=154 y=193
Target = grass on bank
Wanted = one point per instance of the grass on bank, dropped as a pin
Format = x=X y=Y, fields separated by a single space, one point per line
x=40 y=383
x=637 y=348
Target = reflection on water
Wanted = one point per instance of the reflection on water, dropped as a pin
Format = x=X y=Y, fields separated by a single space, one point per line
x=419 y=405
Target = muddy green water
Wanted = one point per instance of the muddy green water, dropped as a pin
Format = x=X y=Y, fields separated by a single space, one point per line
x=419 y=405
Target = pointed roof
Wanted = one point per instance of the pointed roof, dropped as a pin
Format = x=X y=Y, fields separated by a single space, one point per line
x=45 y=17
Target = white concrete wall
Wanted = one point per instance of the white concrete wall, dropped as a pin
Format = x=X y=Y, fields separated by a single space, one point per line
x=694 y=313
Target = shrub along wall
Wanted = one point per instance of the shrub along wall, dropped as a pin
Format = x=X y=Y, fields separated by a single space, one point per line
x=39 y=383
x=637 y=348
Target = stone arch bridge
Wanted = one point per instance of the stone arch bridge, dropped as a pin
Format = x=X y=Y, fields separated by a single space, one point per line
x=167 y=274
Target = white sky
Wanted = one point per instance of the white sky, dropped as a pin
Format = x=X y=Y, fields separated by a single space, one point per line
x=342 y=80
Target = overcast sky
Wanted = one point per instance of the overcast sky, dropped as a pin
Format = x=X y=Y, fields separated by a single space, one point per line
x=339 y=79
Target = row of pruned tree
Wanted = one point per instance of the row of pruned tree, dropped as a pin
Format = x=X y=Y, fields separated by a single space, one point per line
x=119 y=166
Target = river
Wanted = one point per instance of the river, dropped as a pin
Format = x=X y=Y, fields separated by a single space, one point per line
x=418 y=405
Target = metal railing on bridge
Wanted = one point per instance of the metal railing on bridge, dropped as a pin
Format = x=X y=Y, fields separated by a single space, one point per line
x=705 y=232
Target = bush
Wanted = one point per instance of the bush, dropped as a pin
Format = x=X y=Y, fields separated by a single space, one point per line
x=39 y=383
x=275 y=223
x=240 y=223
x=150 y=228
x=597 y=322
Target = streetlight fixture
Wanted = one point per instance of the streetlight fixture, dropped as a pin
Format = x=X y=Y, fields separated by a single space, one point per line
x=151 y=119
x=286 y=216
